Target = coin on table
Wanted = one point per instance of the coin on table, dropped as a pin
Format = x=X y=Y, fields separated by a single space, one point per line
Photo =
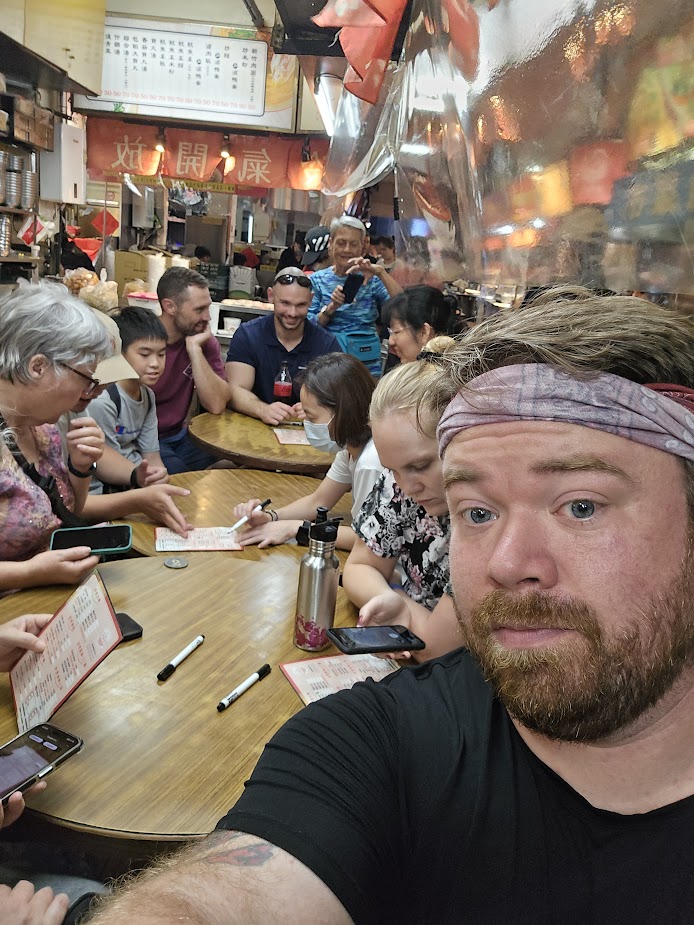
x=176 y=562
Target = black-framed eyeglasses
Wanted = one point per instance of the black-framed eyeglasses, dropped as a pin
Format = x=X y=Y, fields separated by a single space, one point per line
x=93 y=383
x=286 y=279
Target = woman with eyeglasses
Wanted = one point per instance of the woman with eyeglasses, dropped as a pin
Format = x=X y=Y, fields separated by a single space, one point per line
x=398 y=572
x=50 y=344
x=335 y=396
x=414 y=317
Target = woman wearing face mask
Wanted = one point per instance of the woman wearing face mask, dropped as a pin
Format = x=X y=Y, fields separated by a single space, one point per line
x=335 y=397
x=404 y=522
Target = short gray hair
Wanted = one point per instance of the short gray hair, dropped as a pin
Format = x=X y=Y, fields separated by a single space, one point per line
x=43 y=318
x=347 y=221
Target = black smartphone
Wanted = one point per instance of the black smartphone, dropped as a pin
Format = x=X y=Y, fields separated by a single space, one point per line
x=355 y=640
x=351 y=286
x=27 y=758
x=128 y=627
x=110 y=538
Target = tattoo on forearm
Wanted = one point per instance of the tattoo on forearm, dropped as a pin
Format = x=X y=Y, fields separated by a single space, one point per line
x=252 y=852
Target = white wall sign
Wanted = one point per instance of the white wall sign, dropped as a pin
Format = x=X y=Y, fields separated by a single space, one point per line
x=181 y=70
x=195 y=72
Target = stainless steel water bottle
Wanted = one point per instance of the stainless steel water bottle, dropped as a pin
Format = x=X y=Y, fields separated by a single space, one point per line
x=317 y=594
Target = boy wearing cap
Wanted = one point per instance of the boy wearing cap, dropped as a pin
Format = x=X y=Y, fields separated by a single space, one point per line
x=127 y=411
x=150 y=497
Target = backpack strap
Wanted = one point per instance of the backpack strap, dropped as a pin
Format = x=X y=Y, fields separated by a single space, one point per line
x=114 y=395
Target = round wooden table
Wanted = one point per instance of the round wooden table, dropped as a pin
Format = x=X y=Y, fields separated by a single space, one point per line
x=213 y=496
x=250 y=443
x=159 y=762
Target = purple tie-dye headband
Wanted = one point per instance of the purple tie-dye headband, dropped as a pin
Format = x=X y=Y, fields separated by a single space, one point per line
x=658 y=415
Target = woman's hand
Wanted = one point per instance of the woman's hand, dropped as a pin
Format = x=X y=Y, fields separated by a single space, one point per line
x=387 y=609
x=272 y=534
x=23 y=905
x=58 y=567
x=19 y=635
x=85 y=443
x=157 y=503
x=246 y=510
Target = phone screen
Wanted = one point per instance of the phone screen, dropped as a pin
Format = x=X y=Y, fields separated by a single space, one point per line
x=113 y=536
x=361 y=639
x=351 y=286
x=25 y=757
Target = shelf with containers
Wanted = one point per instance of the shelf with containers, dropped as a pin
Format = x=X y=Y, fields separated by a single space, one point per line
x=18 y=200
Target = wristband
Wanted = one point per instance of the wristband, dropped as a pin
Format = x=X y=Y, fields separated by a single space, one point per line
x=273 y=514
x=77 y=473
x=302 y=534
x=133 y=478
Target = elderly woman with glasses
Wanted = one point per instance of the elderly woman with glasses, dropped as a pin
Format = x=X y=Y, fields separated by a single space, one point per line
x=50 y=344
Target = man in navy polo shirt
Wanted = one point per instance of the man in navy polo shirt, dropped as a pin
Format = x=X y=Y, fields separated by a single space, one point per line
x=259 y=347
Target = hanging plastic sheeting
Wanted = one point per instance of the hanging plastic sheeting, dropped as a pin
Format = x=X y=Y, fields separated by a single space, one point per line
x=361 y=150
x=368 y=29
x=543 y=141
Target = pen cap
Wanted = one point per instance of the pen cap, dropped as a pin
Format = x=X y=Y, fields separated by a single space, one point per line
x=263 y=672
x=165 y=673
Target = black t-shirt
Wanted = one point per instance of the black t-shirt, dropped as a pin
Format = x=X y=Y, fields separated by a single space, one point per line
x=415 y=799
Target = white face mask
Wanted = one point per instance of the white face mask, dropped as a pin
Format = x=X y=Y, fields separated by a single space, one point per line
x=319 y=437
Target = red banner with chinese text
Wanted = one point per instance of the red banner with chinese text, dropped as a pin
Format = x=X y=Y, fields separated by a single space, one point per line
x=122 y=146
x=261 y=162
x=191 y=155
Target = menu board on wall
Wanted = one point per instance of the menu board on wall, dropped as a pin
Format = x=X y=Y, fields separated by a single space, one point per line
x=195 y=72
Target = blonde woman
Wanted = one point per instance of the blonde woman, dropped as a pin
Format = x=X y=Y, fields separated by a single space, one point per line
x=404 y=525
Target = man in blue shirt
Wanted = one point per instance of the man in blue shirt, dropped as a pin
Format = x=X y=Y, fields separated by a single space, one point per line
x=353 y=324
x=260 y=347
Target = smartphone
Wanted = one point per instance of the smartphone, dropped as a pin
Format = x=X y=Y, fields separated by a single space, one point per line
x=110 y=538
x=356 y=640
x=351 y=286
x=128 y=627
x=30 y=756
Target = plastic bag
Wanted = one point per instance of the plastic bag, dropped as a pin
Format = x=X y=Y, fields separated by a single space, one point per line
x=132 y=286
x=76 y=280
x=103 y=296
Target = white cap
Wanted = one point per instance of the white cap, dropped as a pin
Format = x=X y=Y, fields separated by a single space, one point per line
x=116 y=367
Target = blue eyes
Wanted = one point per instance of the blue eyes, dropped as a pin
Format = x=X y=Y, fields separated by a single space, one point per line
x=479 y=515
x=582 y=510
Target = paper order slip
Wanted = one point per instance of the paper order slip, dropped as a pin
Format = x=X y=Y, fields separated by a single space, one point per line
x=200 y=539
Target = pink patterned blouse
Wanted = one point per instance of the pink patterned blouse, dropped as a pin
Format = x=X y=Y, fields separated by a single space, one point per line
x=26 y=518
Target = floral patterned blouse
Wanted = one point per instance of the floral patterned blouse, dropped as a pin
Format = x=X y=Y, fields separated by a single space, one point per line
x=393 y=526
x=26 y=517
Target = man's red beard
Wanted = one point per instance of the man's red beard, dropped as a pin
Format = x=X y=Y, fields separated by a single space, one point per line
x=593 y=683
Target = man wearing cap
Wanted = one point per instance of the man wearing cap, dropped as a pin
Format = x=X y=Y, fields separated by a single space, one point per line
x=316 y=254
x=150 y=495
x=546 y=773
x=260 y=347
